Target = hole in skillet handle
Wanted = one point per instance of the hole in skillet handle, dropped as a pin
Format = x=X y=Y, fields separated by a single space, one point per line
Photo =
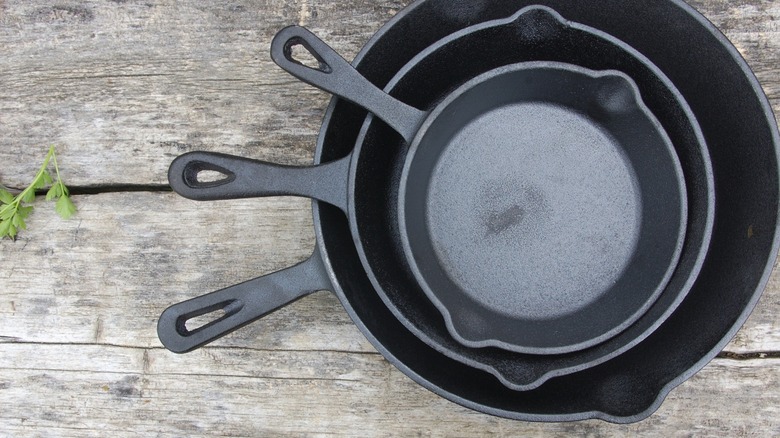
x=197 y=322
x=211 y=176
x=190 y=323
x=200 y=175
x=291 y=54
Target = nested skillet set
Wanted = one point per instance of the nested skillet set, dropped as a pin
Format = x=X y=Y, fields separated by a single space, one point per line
x=559 y=216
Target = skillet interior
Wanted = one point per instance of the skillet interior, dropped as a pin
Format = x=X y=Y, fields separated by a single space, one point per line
x=742 y=136
x=542 y=208
x=382 y=155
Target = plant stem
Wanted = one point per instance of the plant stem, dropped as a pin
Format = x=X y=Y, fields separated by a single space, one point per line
x=38 y=176
x=54 y=158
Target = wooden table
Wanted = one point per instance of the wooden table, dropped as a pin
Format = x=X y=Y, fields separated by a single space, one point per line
x=121 y=87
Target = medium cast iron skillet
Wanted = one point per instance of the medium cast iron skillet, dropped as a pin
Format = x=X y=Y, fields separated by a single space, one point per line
x=543 y=205
x=403 y=296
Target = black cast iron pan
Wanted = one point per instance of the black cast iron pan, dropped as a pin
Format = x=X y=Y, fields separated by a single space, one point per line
x=405 y=298
x=629 y=387
x=550 y=215
x=735 y=117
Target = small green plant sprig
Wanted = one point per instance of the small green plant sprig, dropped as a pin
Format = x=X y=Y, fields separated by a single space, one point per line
x=13 y=210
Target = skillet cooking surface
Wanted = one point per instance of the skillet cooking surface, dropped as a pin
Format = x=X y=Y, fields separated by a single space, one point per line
x=542 y=208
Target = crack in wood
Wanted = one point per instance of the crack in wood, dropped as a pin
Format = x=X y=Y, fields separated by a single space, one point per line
x=113 y=76
x=245 y=376
x=749 y=356
x=118 y=188
x=180 y=374
x=98 y=330
x=102 y=188
x=728 y=355
x=146 y=362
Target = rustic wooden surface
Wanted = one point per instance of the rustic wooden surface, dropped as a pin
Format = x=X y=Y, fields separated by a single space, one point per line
x=123 y=86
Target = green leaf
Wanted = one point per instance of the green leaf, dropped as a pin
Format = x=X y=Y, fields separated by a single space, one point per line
x=7 y=212
x=6 y=197
x=65 y=207
x=13 y=212
x=18 y=222
x=54 y=192
x=28 y=196
x=24 y=211
x=4 y=228
x=47 y=179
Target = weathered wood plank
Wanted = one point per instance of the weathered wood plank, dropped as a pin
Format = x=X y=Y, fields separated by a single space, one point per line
x=123 y=87
x=754 y=28
x=762 y=330
x=105 y=276
x=129 y=85
x=144 y=391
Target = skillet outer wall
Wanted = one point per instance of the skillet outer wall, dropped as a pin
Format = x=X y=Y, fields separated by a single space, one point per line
x=624 y=389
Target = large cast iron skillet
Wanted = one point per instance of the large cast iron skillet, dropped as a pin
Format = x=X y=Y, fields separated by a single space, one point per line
x=742 y=138
x=382 y=155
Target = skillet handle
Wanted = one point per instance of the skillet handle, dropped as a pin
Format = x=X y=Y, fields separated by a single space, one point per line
x=337 y=76
x=247 y=178
x=242 y=304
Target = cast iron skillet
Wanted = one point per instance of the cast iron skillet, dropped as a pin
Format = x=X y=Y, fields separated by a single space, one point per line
x=735 y=117
x=572 y=153
x=379 y=167
x=542 y=209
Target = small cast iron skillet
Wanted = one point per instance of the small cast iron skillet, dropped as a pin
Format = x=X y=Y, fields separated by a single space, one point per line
x=542 y=208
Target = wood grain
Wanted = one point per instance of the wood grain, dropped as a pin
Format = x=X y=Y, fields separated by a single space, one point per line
x=122 y=87
x=79 y=351
x=105 y=278
x=131 y=391
x=131 y=84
